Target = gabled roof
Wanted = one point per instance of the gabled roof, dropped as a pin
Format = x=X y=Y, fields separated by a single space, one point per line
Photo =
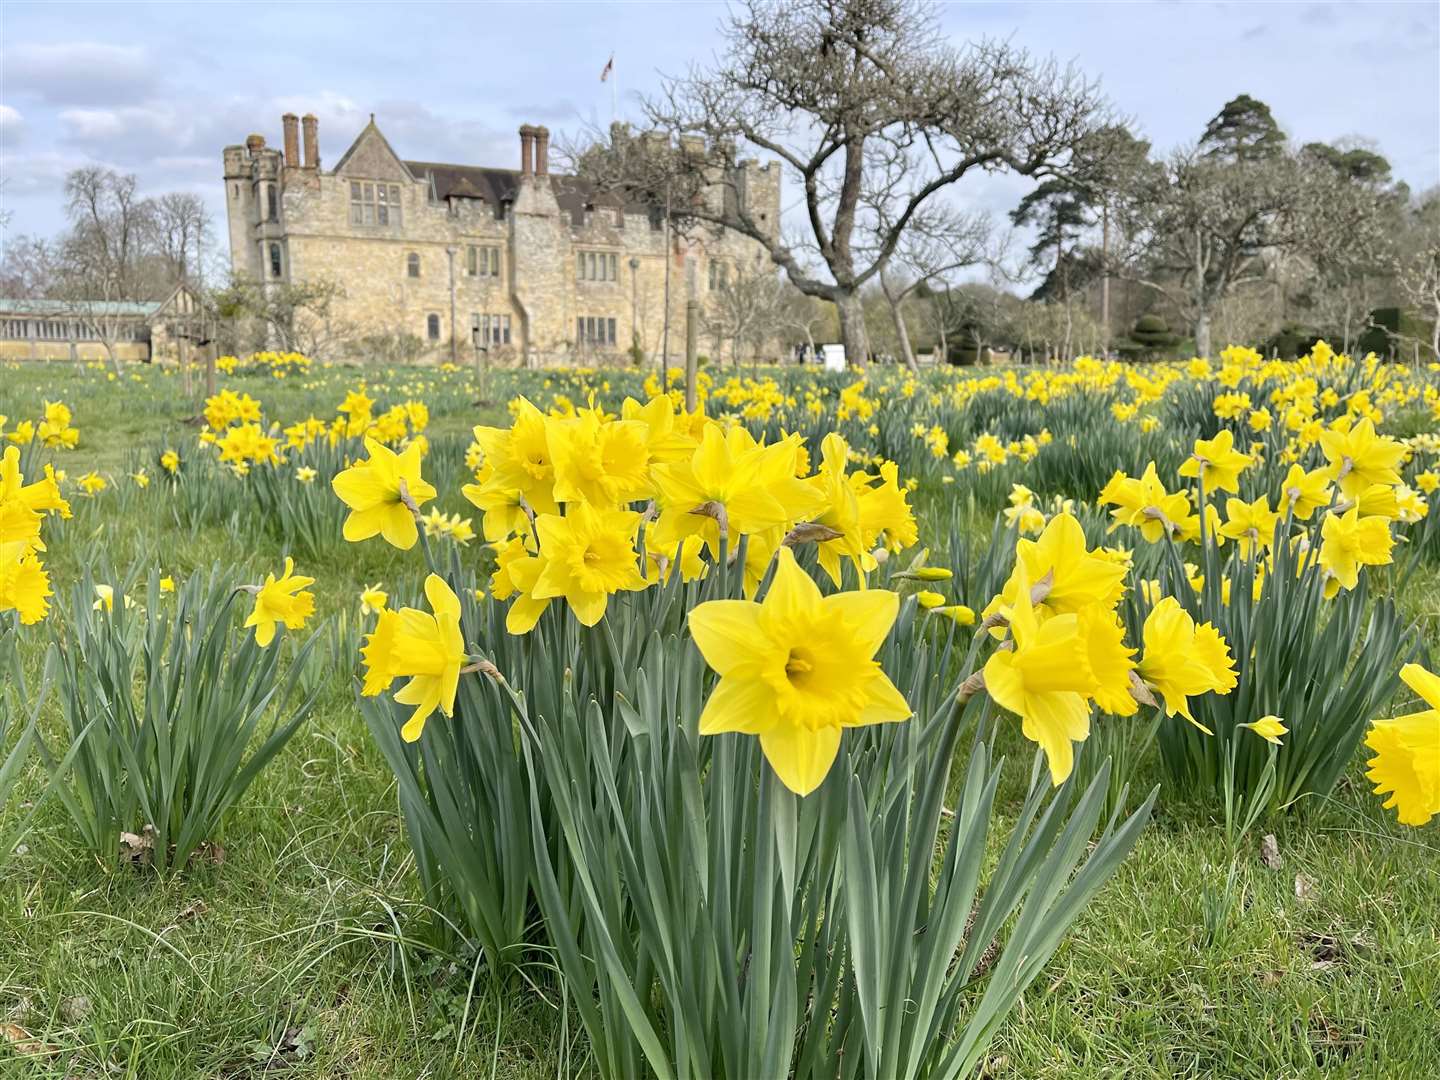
x=371 y=132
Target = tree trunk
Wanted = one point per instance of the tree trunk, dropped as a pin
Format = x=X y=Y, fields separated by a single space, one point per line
x=852 y=330
x=902 y=333
x=1202 y=335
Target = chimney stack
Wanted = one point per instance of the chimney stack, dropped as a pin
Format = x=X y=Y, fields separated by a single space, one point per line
x=291 y=124
x=527 y=143
x=542 y=151
x=312 y=141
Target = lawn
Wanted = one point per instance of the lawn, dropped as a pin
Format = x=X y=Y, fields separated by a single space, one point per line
x=300 y=944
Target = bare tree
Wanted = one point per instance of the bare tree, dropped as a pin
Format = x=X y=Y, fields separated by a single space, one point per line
x=180 y=224
x=30 y=268
x=874 y=114
x=1205 y=227
x=745 y=311
x=1417 y=267
x=938 y=243
x=102 y=274
x=295 y=317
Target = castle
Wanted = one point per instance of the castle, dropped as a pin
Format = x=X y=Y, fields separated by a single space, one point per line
x=531 y=267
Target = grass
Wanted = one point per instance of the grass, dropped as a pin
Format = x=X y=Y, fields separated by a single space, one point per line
x=307 y=948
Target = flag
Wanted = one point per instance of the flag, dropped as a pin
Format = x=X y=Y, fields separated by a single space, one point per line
x=609 y=67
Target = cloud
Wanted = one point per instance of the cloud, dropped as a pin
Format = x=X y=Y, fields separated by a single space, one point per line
x=12 y=125
x=80 y=73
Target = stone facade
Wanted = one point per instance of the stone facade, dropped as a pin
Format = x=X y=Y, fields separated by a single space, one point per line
x=530 y=266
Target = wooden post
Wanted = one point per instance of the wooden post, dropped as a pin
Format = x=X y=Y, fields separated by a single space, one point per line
x=1105 y=275
x=692 y=333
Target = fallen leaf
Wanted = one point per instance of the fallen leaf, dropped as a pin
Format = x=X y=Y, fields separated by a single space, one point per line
x=1304 y=887
x=1270 y=851
x=22 y=1042
x=138 y=849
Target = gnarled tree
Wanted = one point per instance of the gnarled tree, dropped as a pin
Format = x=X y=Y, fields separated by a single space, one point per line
x=873 y=113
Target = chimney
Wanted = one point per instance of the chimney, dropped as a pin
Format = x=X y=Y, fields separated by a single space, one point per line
x=312 y=141
x=542 y=151
x=291 y=124
x=527 y=142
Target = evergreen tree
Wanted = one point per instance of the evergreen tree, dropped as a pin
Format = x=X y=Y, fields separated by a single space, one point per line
x=1244 y=130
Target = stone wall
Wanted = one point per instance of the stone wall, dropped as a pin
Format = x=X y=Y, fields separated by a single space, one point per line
x=538 y=286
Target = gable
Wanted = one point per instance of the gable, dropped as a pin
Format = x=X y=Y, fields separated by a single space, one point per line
x=370 y=156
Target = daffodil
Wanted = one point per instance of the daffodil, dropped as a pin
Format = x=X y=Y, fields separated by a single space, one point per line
x=1145 y=504
x=602 y=463
x=1349 y=542
x=1069 y=575
x=24 y=583
x=372 y=491
x=1302 y=493
x=588 y=554
x=517 y=570
x=1182 y=660
x=1269 y=728
x=373 y=600
x=731 y=477
x=1044 y=679
x=280 y=601
x=1216 y=463
x=1251 y=525
x=1406 y=764
x=1359 y=457
x=796 y=669
x=428 y=649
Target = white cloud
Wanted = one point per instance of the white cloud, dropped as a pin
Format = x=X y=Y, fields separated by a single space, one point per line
x=12 y=124
x=79 y=72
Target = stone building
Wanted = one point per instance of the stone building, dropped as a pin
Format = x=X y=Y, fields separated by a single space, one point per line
x=144 y=331
x=531 y=267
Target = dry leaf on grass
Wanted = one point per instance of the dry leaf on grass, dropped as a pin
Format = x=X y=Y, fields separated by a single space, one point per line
x=23 y=1043
x=1270 y=851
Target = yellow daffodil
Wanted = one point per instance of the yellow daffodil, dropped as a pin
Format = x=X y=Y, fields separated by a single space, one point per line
x=1406 y=764
x=371 y=489
x=1349 y=542
x=1269 y=728
x=280 y=601
x=428 y=649
x=1250 y=525
x=1044 y=679
x=1145 y=504
x=373 y=600
x=797 y=669
x=1182 y=660
x=24 y=583
x=1217 y=463
x=1359 y=457
x=588 y=555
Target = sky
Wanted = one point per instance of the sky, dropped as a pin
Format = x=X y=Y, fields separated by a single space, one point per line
x=160 y=89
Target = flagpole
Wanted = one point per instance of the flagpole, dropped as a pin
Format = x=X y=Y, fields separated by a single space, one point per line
x=614 y=89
